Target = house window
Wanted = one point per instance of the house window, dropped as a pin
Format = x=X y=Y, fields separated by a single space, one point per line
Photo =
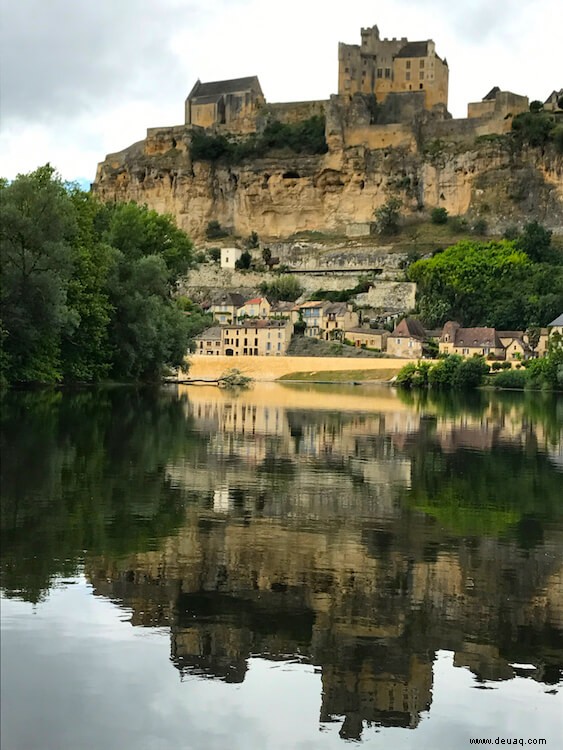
x=380 y=72
x=279 y=346
x=387 y=72
x=421 y=75
x=268 y=346
x=408 y=64
x=422 y=63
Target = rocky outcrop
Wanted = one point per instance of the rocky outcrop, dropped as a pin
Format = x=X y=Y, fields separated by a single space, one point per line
x=284 y=194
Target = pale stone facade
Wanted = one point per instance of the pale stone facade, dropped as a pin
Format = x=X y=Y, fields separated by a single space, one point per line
x=247 y=339
x=370 y=338
x=229 y=256
x=380 y=67
x=325 y=320
x=498 y=104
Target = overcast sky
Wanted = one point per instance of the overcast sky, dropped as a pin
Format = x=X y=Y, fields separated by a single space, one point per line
x=82 y=78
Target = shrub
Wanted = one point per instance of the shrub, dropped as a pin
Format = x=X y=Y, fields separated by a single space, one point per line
x=214 y=231
x=387 y=216
x=496 y=365
x=284 y=288
x=480 y=227
x=536 y=106
x=511 y=379
x=244 y=261
x=458 y=224
x=439 y=216
x=511 y=232
x=505 y=366
x=214 y=254
x=252 y=240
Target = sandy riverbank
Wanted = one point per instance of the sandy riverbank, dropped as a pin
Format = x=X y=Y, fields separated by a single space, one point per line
x=272 y=368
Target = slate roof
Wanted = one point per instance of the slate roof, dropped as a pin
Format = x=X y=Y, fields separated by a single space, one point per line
x=492 y=94
x=413 y=49
x=510 y=334
x=477 y=337
x=210 y=334
x=228 y=298
x=231 y=86
x=370 y=331
x=557 y=322
x=409 y=328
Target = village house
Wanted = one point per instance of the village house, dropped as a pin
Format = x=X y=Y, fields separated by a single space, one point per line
x=483 y=342
x=556 y=326
x=281 y=309
x=407 y=339
x=258 y=307
x=325 y=320
x=368 y=338
x=229 y=256
x=225 y=305
x=248 y=338
x=209 y=342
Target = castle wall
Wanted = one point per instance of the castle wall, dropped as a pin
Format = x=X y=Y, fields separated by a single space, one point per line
x=291 y=112
x=380 y=136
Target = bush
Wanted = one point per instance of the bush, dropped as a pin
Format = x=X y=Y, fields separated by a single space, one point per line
x=439 y=216
x=458 y=224
x=252 y=240
x=511 y=232
x=511 y=379
x=505 y=366
x=496 y=365
x=214 y=254
x=533 y=128
x=387 y=217
x=480 y=227
x=244 y=261
x=214 y=231
x=284 y=288
x=536 y=106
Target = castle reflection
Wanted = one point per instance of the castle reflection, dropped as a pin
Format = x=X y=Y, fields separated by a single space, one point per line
x=361 y=534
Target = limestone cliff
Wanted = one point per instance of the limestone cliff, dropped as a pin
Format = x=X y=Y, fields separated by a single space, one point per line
x=277 y=196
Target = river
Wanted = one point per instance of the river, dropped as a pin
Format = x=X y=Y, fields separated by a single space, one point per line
x=292 y=567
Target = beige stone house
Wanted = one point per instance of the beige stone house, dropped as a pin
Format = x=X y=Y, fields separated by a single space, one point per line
x=258 y=307
x=516 y=349
x=225 y=305
x=407 y=339
x=247 y=339
x=484 y=342
x=325 y=320
x=370 y=338
x=556 y=326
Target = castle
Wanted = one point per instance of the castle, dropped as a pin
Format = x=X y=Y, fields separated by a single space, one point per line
x=384 y=66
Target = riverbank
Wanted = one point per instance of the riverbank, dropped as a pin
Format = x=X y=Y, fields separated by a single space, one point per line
x=311 y=369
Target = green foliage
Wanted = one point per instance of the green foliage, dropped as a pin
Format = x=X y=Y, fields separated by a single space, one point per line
x=342 y=295
x=452 y=372
x=533 y=128
x=547 y=372
x=306 y=137
x=215 y=231
x=285 y=288
x=536 y=106
x=87 y=288
x=214 y=253
x=439 y=216
x=387 y=216
x=488 y=284
x=266 y=255
x=535 y=241
x=480 y=227
x=252 y=240
x=243 y=263
x=510 y=379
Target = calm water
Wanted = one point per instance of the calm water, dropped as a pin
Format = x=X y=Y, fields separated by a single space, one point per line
x=290 y=567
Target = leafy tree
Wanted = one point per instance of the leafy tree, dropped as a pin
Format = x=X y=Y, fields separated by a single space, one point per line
x=266 y=255
x=244 y=261
x=535 y=241
x=285 y=288
x=37 y=226
x=536 y=106
x=214 y=230
x=439 y=216
x=487 y=284
x=215 y=254
x=387 y=216
x=532 y=128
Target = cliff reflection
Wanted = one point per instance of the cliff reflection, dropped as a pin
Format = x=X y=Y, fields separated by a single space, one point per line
x=362 y=534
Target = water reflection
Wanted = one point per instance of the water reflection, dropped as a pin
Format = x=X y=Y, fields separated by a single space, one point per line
x=352 y=529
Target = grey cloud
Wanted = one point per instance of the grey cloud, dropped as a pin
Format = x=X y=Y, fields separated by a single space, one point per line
x=63 y=57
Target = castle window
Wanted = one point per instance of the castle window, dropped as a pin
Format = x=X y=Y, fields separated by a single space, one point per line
x=408 y=76
x=421 y=75
x=387 y=72
x=421 y=86
x=422 y=63
x=380 y=72
x=408 y=64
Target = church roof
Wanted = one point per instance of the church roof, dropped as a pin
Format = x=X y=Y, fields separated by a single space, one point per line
x=231 y=86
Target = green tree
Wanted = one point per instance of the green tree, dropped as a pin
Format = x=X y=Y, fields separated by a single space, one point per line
x=37 y=227
x=439 y=216
x=387 y=216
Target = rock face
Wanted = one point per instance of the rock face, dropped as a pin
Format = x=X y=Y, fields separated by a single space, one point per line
x=283 y=194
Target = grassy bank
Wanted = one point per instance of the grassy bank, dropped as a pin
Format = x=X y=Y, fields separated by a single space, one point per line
x=341 y=376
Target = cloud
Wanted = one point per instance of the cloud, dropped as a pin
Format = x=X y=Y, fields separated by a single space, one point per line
x=62 y=58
